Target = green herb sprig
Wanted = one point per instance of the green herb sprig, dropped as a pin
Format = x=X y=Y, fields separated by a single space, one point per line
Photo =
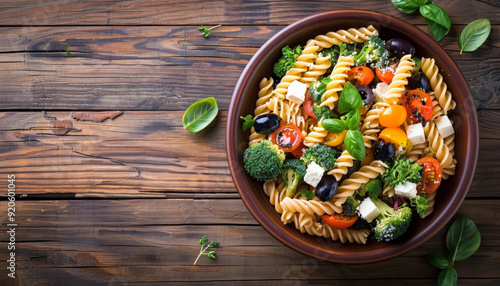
x=206 y=31
x=462 y=240
x=402 y=171
x=204 y=248
x=349 y=104
x=248 y=122
x=200 y=114
x=308 y=194
x=67 y=51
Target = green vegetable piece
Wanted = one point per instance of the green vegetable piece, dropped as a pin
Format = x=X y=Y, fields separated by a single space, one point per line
x=203 y=250
x=438 y=261
x=206 y=31
x=67 y=51
x=447 y=277
x=374 y=52
x=402 y=170
x=391 y=223
x=420 y=203
x=200 y=114
x=212 y=255
x=308 y=194
x=318 y=88
x=333 y=52
x=321 y=154
x=437 y=19
x=372 y=188
x=287 y=60
x=408 y=6
x=349 y=206
x=248 y=122
x=354 y=121
x=354 y=144
x=334 y=125
x=349 y=99
x=263 y=160
x=293 y=172
x=347 y=49
x=474 y=35
x=418 y=64
x=463 y=239
x=323 y=112
x=203 y=240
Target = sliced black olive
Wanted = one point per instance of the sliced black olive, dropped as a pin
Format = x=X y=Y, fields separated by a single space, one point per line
x=384 y=151
x=366 y=94
x=326 y=188
x=400 y=47
x=420 y=80
x=266 y=123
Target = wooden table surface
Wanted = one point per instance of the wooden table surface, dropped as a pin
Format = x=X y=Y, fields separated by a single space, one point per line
x=111 y=190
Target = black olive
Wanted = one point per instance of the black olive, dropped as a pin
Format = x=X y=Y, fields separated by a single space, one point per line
x=366 y=94
x=384 y=151
x=420 y=80
x=400 y=47
x=266 y=123
x=326 y=188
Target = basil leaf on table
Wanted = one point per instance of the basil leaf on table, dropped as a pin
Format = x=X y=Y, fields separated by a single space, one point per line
x=334 y=125
x=447 y=277
x=349 y=99
x=354 y=144
x=200 y=114
x=438 y=20
x=474 y=35
x=463 y=239
x=438 y=260
x=408 y=6
x=354 y=120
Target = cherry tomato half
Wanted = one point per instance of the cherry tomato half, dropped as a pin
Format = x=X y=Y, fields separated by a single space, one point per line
x=393 y=116
x=288 y=137
x=431 y=176
x=418 y=105
x=360 y=75
x=335 y=139
x=339 y=221
x=386 y=74
x=308 y=104
x=394 y=135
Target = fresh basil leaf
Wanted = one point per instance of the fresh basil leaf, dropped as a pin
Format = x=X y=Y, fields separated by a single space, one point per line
x=354 y=120
x=308 y=194
x=474 y=35
x=447 y=277
x=462 y=239
x=408 y=6
x=334 y=125
x=200 y=114
x=248 y=122
x=438 y=20
x=354 y=144
x=349 y=99
x=438 y=261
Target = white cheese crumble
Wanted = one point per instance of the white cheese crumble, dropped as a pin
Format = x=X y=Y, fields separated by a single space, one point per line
x=444 y=126
x=314 y=173
x=406 y=189
x=415 y=133
x=368 y=210
x=296 y=92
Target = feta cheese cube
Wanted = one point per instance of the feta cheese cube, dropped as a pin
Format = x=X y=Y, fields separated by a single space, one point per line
x=415 y=133
x=368 y=210
x=444 y=126
x=296 y=92
x=406 y=189
x=314 y=173
x=379 y=91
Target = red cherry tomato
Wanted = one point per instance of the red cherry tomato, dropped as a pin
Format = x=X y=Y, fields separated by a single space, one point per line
x=339 y=221
x=308 y=105
x=360 y=75
x=297 y=153
x=431 y=177
x=418 y=105
x=386 y=74
x=288 y=137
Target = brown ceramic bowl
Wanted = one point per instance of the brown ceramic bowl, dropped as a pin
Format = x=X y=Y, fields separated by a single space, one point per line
x=451 y=193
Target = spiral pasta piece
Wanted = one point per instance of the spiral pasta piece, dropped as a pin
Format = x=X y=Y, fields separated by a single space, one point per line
x=437 y=110
x=350 y=36
x=317 y=135
x=362 y=176
x=397 y=86
x=321 y=65
x=310 y=207
x=370 y=126
x=264 y=96
x=276 y=191
x=437 y=145
x=440 y=88
x=339 y=78
x=388 y=190
x=344 y=161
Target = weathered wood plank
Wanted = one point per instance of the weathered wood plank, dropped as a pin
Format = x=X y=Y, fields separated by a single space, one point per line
x=143 y=12
x=96 y=241
x=162 y=68
x=148 y=154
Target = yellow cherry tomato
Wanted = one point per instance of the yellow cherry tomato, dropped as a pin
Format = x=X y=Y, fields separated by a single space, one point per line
x=335 y=139
x=368 y=158
x=393 y=116
x=394 y=135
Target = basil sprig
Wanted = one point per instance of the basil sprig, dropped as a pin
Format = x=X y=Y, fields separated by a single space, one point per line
x=349 y=104
x=474 y=35
x=462 y=240
x=437 y=19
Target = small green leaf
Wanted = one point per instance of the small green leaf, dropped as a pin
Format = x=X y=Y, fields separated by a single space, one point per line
x=205 y=31
x=462 y=239
x=438 y=261
x=438 y=20
x=447 y=277
x=212 y=255
x=308 y=194
x=408 y=6
x=67 y=51
x=349 y=99
x=334 y=125
x=214 y=244
x=474 y=35
x=354 y=144
x=203 y=240
x=248 y=122
x=354 y=121
x=200 y=114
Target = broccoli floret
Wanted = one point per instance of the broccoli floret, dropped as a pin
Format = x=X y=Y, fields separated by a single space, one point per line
x=320 y=154
x=263 y=160
x=347 y=49
x=349 y=206
x=318 y=87
x=391 y=223
x=323 y=112
x=293 y=172
x=373 y=51
x=372 y=188
x=333 y=52
x=420 y=203
x=287 y=60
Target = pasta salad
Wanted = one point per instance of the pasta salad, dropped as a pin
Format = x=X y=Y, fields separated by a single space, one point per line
x=351 y=136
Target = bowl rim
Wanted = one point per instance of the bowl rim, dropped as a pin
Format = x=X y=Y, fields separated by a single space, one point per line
x=472 y=141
